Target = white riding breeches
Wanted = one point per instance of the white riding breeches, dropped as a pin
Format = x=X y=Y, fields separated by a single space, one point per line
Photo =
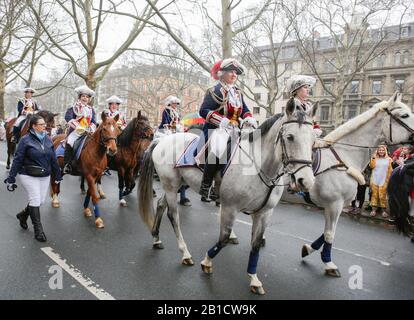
x=36 y=188
x=72 y=137
x=19 y=120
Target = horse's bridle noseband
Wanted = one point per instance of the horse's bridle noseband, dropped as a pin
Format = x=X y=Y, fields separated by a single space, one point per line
x=400 y=122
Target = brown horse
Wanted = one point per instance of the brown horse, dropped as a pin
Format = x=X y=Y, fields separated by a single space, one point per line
x=92 y=162
x=49 y=118
x=132 y=143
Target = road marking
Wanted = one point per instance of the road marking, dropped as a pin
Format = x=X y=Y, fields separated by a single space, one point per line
x=384 y=263
x=3 y=163
x=91 y=286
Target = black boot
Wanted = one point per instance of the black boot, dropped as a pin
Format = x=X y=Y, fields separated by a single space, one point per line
x=22 y=217
x=37 y=225
x=208 y=175
x=16 y=134
x=67 y=158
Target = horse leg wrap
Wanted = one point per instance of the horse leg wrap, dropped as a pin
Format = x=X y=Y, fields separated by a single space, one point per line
x=253 y=259
x=317 y=244
x=121 y=194
x=96 y=210
x=86 y=202
x=213 y=251
x=326 y=252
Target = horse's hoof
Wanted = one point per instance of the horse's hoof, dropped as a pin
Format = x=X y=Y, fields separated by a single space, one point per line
x=102 y=196
x=234 y=241
x=304 y=252
x=99 y=223
x=333 y=273
x=207 y=269
x=55 y=204
x=83 y=192
x=263 y=243
x=7 y=167
x=158 y=245
x=87 y=212
x=257 y=290
x=123 y=203
x=187 y=262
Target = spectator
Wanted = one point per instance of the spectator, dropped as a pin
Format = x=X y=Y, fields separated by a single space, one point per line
x=381 y=164
x=401 y=155
x=357 y=204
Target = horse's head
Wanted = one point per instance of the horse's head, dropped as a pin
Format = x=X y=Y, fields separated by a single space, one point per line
x=398 y=125
x=143 y=129
x=109 y=132
x=49 y=118
x=296 y=138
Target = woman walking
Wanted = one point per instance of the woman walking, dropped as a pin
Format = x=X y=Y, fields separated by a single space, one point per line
x=34 y=161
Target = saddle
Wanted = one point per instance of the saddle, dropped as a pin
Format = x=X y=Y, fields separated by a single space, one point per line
x=197 y=150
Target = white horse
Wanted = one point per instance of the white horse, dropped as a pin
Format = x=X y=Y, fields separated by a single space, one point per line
x=388 y=121
x=284 y=145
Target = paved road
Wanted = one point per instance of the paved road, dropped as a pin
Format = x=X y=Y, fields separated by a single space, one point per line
x=121 y=263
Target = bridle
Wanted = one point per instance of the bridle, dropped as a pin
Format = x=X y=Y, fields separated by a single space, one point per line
x=142 y=134
x=399 y=121
x=286 y=160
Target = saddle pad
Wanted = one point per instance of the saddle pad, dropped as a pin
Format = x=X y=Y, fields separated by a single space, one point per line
x=60 y=150
x=187 y=159
x=78 y=146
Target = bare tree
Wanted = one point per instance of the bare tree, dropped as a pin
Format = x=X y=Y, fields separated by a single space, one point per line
x=266 y=63
x=349 y=45
x=87 y=22
x=14 y=46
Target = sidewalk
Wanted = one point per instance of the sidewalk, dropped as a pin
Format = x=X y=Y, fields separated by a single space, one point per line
x=363 y=217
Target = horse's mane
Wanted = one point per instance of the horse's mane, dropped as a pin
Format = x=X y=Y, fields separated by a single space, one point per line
x=355 y=123
x=268 y=124
x=125 y=138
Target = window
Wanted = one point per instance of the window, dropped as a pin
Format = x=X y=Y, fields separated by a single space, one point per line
x=406 y=57
x=354 y=88
x=256 y=110
x=257 y=82
x=405 y=31
x=327 y=88
x=257 y=96
x=288 y=66
x=325 y=113
x=397 y=58
x=352 y=112
x=399 y=85
x=376 y=86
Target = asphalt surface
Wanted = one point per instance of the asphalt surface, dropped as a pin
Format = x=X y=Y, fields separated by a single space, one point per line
x=120 y=261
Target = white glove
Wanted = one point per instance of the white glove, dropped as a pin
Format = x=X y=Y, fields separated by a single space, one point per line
x=250 y=121
x=224 y=124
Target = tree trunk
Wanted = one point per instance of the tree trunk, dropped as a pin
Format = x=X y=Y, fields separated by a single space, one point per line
x=226 y=26
x=338 y=111
x=2 y=89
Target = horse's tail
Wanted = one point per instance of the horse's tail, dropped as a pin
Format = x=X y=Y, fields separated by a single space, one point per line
x=145 y=194
x=398 y=191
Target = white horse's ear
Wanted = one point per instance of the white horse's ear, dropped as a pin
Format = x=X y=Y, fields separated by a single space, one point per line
x=313 y=110
x=290 y=107
x=393 y=98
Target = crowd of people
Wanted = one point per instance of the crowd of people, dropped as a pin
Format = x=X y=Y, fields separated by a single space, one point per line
x=377 y=175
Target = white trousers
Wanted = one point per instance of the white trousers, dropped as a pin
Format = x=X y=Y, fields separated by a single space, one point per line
x=36 y=188
x=72 y=137
x=19 y=120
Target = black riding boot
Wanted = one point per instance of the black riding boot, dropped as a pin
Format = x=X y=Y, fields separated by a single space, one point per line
x=16 y=134
x=37 y=225
x=22 y=217
x=208 y=176
x=67 y=158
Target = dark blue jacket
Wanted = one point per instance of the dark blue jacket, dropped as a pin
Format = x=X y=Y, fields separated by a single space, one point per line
x=20 y=106
x=166 y=118
x=70 y=115
x=32 y=152
x=210 y=108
